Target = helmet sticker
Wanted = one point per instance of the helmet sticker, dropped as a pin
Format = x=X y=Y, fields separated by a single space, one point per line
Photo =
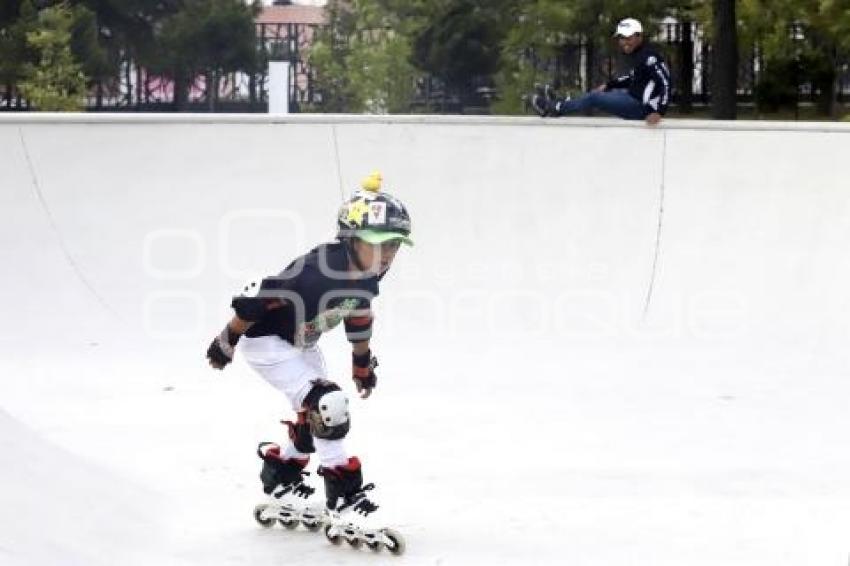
x=377 y=213
x=357 y=211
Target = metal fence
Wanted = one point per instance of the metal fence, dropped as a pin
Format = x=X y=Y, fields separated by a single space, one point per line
x=580 y=64
x=137 y=89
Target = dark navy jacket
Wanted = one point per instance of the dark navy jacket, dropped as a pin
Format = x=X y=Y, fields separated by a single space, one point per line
x=649 y=80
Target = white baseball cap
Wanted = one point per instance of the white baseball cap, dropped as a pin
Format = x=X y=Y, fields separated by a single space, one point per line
x=628 y=27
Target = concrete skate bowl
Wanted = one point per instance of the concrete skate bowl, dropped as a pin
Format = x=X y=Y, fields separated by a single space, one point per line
x=657 y=318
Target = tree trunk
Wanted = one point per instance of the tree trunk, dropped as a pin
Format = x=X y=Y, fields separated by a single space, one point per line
x=830 y=86
x=833 y=101
x=589 y=66
x=589 y=63
x=686 y=69
x=217 y=78
x=128 y=81
x=180 y=89
x=825 y=87
x=252 y=88
x=138 y=87
x=211 y=81
x=724 y=72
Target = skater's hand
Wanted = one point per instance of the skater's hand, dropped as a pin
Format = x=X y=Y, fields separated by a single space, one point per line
x=363 y=372
x=601 y=88
x=653 y=119
x=216 y=356
x=220 y=352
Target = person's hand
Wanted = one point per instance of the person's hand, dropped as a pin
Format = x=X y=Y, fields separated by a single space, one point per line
x=363 y=373
x=653 y=119
x=220 y=352
x=601 y=88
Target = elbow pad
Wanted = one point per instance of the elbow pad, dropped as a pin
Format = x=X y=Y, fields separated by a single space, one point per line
x=250 y=309
x=359 y=328
x=247 y=304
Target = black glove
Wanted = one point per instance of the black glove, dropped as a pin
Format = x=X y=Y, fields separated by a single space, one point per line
x=220 y=352
x=363 y=372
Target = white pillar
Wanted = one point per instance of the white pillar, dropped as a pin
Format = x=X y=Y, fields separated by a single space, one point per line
x=278 y=87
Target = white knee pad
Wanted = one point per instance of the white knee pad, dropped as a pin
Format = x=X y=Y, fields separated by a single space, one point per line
x=327 y=411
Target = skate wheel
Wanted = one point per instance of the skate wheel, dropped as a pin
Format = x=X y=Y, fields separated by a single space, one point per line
x=288 y=524
x=258 y=516
x=397 y=546
x=311 y=526
x=374 y=546
x=354 y=542
x=333 y=539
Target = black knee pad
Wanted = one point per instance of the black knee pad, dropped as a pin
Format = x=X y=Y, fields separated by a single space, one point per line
x=327 y=411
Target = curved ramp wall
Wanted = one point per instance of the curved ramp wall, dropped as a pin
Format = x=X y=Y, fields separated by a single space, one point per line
x=525 y=230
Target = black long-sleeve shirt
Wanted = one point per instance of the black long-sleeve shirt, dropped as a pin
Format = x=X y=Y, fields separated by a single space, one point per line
x=648 y=81
x=311 y=296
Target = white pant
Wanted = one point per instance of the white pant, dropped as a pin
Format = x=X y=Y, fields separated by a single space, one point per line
x=293 y=371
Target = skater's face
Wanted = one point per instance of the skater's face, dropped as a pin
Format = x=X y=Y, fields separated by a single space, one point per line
x=629 y=44
x=376 y=258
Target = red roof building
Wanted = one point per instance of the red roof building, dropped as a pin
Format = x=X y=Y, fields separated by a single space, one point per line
x=292 y=14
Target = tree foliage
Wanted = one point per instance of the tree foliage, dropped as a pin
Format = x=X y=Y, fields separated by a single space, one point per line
x=205 y=37
x=799 y=42
x=55 y=81
x=16 y=20
x=362 y=63
x=462 y=41
x=175 y=37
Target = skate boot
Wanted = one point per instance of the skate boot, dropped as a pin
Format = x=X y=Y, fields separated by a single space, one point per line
x=545 y=102
x=351 y=515
x=290 y=500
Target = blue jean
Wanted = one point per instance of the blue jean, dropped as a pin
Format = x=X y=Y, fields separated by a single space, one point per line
x=617 y=102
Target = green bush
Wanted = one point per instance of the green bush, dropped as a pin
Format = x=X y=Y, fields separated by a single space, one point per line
x=777 y=86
